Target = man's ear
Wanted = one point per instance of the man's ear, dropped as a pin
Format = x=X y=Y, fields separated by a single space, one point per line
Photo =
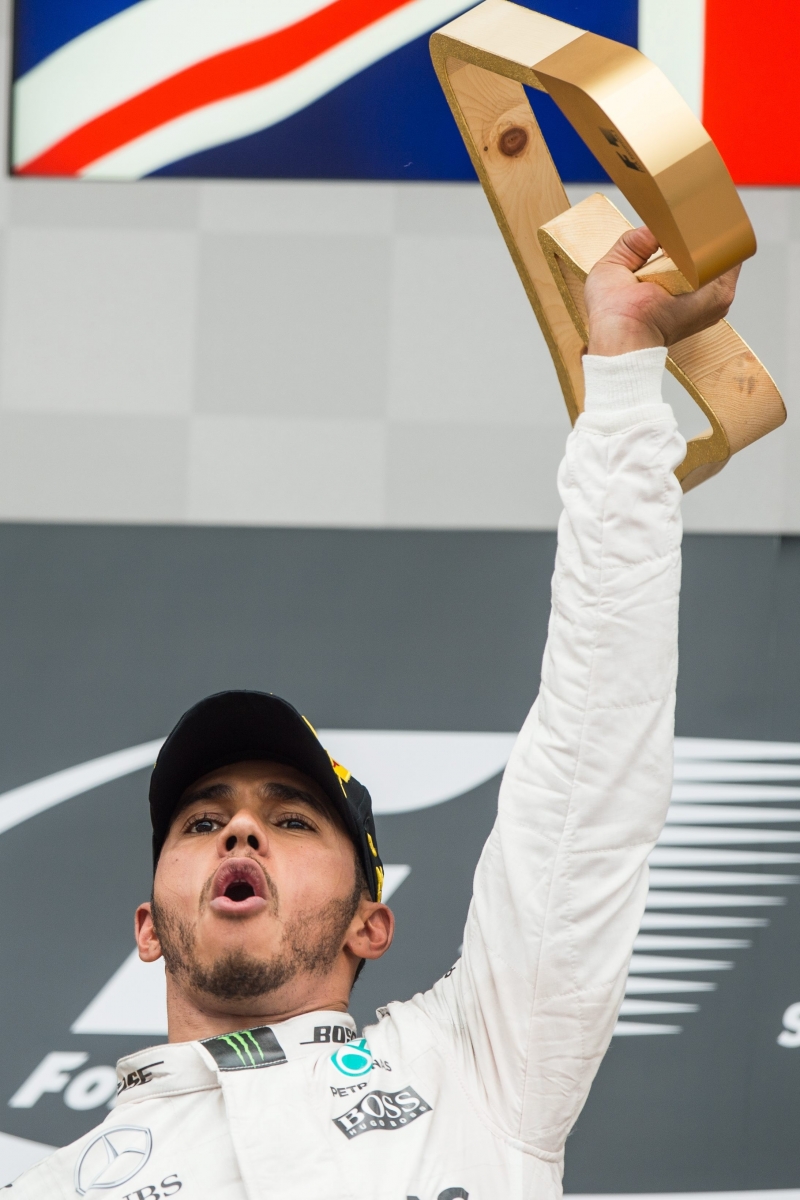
x=372 y=930
x=145 y=934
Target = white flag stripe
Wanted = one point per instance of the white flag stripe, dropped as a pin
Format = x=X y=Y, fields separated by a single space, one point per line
x=246 y=113
x=143 y=45
x=659 y=920
x=57 y=97
x=646 y=1008
x=654 y=941
x=643 y=964
x=709 y=900
x=667 y=857
x=672 y=35
x=641 y=985
x=130 y=52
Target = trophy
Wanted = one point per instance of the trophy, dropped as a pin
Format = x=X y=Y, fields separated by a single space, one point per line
x=660 y=157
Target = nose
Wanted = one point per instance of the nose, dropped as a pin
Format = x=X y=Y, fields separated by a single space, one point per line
x=242 y=830
x=232 y=842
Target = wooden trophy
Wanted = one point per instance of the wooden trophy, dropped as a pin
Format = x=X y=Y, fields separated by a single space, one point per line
x=663 y=161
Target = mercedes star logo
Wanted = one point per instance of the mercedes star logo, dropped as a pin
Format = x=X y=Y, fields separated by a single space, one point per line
x=113 y=1157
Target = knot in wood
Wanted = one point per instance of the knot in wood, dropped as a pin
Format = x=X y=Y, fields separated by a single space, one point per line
x=512 y=141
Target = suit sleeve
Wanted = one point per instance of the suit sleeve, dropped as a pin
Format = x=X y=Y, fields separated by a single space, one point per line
x=561 y=885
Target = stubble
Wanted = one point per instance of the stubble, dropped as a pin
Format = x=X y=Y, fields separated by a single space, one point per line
x=311 y=943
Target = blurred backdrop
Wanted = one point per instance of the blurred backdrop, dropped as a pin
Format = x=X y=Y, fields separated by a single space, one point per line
x=282 y=418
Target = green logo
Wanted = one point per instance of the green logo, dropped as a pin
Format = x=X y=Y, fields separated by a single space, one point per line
x=246 y=1049
x=353 y=1059
x=243 y=1044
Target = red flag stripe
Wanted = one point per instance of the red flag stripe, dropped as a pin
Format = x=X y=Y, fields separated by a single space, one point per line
x=223 y=75
x=751 y=103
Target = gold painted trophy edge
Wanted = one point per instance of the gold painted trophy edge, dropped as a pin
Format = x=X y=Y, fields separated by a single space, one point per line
x=707 y=453
x=482 y=59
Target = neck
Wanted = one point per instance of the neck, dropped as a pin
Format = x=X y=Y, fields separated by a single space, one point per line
x=191 y=1017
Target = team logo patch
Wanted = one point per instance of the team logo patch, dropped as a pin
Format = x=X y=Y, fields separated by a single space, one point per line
x=112 y=1158
x=138 y=1078
x=382 y=1110
x=246 y=1050
x=353 y=1059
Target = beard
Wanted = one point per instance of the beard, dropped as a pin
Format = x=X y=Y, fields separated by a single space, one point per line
x=311 y=943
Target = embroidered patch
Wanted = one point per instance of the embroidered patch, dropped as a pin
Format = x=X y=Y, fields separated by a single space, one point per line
x=382 y=1110
x=245 y=1050
x=353 y=1059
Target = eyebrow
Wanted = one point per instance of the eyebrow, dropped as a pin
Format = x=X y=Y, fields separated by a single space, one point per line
x=212 y=791
x=270 y=791
x=287 y=791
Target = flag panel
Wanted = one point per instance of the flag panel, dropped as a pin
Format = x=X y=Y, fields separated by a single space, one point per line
x=751 y=104
x=254 y=89
x=121 y=89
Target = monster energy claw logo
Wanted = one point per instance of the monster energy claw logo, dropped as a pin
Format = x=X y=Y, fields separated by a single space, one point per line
x=246 y=1050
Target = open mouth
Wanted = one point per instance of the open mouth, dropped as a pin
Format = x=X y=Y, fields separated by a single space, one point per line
x=239 y=888
x=239 y=891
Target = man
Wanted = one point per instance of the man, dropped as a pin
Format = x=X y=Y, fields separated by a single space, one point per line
x=267 y=892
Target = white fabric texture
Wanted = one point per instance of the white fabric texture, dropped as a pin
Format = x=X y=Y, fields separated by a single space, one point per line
x=470 y=1089
x=625 y=380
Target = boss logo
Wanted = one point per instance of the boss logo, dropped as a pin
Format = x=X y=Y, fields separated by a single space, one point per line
x=323 y=1034
x=382 y=1110
x=168 y=1186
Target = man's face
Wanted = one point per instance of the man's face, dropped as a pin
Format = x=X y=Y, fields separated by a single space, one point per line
x=256 y=885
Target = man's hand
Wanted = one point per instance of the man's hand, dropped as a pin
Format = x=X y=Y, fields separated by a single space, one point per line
x=625 y=314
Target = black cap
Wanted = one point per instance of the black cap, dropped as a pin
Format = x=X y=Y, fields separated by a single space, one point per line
x=243 y=726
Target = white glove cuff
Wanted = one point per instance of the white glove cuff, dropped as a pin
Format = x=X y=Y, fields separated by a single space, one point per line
x=623 y=381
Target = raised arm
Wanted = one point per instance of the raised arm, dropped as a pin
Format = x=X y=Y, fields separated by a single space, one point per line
x=561 y=885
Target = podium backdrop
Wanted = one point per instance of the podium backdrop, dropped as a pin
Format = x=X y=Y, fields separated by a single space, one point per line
x=302 y=354
x=422 y=650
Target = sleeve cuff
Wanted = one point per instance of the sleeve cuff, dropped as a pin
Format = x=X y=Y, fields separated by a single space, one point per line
x=624 y=381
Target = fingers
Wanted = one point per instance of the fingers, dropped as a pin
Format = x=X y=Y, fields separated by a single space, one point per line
x=726 y=285
x=699 y=310
x=632 y=250
x=612 y=291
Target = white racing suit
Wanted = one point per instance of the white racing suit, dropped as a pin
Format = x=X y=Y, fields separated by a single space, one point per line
x=468 y=1090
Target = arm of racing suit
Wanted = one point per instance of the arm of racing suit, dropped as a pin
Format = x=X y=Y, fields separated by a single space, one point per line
x=561 y=885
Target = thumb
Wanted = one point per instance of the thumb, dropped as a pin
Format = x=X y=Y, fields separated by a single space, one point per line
x=632 y=250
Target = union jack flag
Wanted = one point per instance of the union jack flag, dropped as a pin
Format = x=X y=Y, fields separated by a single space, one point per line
x=121 y=89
